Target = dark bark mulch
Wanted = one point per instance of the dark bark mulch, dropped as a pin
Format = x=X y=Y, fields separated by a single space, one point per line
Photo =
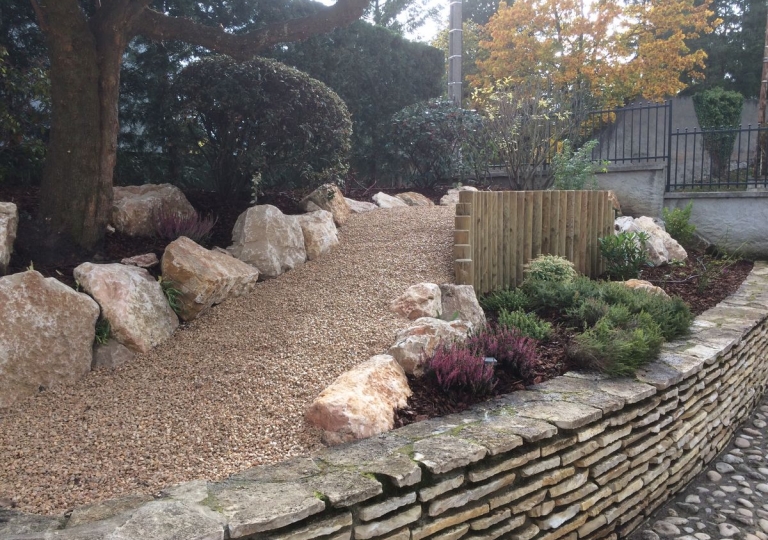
x=429 y=401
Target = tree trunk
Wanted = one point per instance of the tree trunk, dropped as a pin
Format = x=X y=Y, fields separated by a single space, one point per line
x=76 y=191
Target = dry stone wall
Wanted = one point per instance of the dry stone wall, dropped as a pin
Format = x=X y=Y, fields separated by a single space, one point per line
x=578 y=457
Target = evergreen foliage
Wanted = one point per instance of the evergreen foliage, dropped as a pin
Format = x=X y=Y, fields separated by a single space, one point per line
x=261 y=117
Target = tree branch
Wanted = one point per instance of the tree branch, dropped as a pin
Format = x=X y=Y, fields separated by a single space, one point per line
x=159 y=27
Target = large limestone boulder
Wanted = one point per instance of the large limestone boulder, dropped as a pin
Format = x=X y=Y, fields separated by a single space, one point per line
x=204 y=277
x=388 y=201
x=654 y=246
x=659 y=242
x=132 y=301
x=329 y=197
x=360 y=207
x=9 y=222
x=361 y=402
x=460 y=302
x=269 y=240
x=420 y=300
x=320 y=234
x=135 y=208
x=452 y=195
x=411 y=198
x=415 y=344
x=675 y=251
x=46 y=334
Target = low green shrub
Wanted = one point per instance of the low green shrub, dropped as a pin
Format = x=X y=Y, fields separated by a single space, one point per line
x=618 y=344
x=550 y=268
x=678 y=224
x=508 y=299
x=528 y=324
x=557 y=297
x=672 y=314
x=587 y=312
x=624 y=254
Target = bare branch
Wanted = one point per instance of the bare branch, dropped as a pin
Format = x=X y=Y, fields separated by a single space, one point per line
x=159 y=27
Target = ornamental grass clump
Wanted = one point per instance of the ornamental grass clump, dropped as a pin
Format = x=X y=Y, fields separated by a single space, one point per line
x=170 y=225
x=457 y=368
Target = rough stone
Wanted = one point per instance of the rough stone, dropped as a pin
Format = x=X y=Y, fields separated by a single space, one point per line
x=328 y=197
x=460 y=302
x=361 y=402
x=371 y=512
x=675 y=251
x=46 y=334
x=343 y=488
x=445 y=453
x=269 y=240
x=388 y=201
x=132 y=301
x=318 y=528
x=169 y=520
x=443 y=486
x=319 y=231
x=110 y=355
x=452 y=195
x=360 y=207
x=204 y=277
x=644 y=286
x=411 y=198
x=419 y=340
x=665 y=529
x=369 y=530
x=9 y=222
x=420 y=300
x=147 y=260
x=135 y=208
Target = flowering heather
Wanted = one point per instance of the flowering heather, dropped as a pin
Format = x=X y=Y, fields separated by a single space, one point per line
x=170 y=225
x=513 y=351
x=458 y=368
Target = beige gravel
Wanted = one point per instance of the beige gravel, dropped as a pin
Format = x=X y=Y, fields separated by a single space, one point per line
x=228 y=391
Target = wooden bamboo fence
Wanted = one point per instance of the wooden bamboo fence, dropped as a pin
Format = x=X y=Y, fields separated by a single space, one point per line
x=498 y=232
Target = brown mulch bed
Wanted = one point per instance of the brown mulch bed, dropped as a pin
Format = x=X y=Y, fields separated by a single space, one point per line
x=429 y=401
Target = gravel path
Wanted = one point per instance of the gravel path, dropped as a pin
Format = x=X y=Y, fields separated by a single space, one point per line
x=228 y=391
x=728 y=500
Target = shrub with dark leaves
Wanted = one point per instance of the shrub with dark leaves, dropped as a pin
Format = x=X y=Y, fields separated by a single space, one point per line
x=170 y=225
x=459 y=368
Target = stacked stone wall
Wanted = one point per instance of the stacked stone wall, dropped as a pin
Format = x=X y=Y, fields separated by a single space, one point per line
x=578 y=457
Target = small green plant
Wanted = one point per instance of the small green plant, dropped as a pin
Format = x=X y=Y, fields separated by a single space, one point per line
x=102 y=331
x=550 y=268
x=171 y=292
x=678 y=224
x=576 y=169
x=624 y=254
x=509 y=299
x=528 y=324
x=619 y=343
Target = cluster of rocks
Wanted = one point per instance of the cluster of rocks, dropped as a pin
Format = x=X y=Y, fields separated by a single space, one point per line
x=49 y=328
x=660 y=246
x=362 y=401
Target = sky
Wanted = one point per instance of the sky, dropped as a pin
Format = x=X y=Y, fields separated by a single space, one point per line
x=427 y=32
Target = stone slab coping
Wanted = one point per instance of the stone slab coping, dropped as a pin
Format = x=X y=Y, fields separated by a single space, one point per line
x=540 y=420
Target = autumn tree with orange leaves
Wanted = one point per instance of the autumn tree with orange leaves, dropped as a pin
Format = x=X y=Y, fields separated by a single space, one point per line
x=614 y=50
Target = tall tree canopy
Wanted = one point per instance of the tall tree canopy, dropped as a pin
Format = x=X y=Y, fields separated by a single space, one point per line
x=735 y=49
x=616 y=50
x=85 y=44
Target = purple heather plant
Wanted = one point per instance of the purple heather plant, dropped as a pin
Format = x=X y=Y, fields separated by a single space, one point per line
x=170 y=225
x=458 y=368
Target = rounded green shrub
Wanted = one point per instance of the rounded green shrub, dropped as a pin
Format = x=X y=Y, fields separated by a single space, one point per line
x=528 y=324
x=550 y=268
x=262 y=118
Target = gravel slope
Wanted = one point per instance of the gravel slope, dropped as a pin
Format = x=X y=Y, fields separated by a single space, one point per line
x=228 y=391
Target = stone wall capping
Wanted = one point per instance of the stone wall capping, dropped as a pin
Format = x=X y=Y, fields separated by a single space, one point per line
x=580 y=457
